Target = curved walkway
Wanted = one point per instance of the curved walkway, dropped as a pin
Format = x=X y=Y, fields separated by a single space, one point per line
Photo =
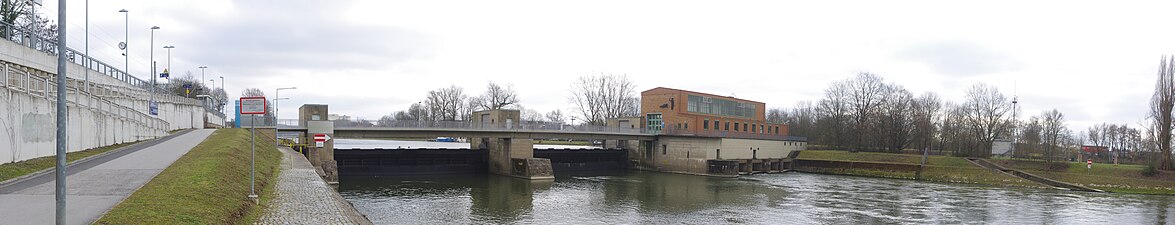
x=94 y=186
x=304 y=198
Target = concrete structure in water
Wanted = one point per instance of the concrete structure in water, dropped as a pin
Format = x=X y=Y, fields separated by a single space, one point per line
x=708 y=134
x=510 y=156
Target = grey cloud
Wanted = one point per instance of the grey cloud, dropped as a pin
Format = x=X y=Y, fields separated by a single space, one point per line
x=300 y=35
x=958 y=58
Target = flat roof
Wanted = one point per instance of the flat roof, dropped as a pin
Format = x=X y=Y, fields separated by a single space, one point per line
x=700 y=93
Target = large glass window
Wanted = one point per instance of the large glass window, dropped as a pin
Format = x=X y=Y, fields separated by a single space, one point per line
x=708 y=105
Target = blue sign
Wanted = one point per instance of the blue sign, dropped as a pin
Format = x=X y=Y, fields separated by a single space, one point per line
x=187 y=85
x=154 y=108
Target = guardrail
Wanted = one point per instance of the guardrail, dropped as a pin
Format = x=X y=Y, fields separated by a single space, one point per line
x=522 y=126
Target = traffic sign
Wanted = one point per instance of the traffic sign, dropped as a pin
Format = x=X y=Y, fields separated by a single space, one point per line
x=320 y=140
x=253 y=105
x=165 y=74
x=154 y=108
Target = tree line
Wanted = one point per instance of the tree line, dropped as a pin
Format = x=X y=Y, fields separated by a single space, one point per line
x=594 y=99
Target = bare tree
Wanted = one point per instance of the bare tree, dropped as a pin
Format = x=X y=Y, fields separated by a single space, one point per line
x=926 y=113
x=865 y=95
x=777 y=116
x=1053 y=131
x=416 y=111
x=187 y=86
x=896 y=124
x=498 y=97
x=1162 y=103
x=833 y=116
x=985 y=113
x=530 y=115
x=386 y=121
x=446 y=104
x=605 y=96
x=556 y=116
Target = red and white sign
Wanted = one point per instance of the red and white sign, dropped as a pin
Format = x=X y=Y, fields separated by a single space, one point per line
x=253 y=105
x=320 y=140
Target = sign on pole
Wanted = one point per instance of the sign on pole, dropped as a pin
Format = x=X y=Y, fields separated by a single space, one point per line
x=320 y=140
x=253 y=105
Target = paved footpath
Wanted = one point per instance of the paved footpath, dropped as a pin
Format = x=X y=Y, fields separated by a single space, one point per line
x=304 y=198
x=95 y=186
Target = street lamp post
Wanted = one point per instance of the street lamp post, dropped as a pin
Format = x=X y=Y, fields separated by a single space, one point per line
x=153 y=107
x=168 y=69
x=222 y=104
x=277 y=96
x=202 y=73
x=125 y=46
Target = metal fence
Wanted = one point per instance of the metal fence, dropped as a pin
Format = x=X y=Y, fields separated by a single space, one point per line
x=48 y=45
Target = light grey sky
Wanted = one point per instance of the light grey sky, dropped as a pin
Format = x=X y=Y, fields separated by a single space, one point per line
x=1095 y=62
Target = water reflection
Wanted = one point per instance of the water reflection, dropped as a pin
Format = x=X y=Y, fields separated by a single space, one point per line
x=792 y=198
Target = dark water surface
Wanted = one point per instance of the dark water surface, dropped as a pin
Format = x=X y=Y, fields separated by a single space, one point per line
x=634 y=197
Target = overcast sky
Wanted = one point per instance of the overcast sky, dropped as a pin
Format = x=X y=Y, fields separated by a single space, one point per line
x=1094 y=62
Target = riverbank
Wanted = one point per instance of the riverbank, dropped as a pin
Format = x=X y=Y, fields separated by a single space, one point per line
x=9 y=171
x=938 y=168
x=208 y=185
x=1121 y=178
x=1112 y=178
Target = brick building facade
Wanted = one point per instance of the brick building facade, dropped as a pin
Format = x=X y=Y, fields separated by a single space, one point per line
x=680 y=112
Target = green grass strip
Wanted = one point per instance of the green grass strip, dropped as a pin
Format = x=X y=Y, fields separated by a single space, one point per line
x=10 y=171
x=208 y=185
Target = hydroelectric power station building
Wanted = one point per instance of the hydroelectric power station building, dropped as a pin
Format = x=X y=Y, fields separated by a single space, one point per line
x=709 y=134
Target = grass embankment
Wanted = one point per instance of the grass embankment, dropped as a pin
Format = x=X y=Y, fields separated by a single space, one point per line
x=938 y=168
x=13 y=170
x=208 y=185
x=1122 y=178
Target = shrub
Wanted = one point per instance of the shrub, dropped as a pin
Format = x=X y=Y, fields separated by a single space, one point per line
x=1150 y=170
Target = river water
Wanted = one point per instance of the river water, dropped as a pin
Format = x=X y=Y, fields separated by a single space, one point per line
x=636 y=197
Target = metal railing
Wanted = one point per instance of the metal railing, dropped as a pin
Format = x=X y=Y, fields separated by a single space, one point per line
x=48 y=45
x=467 y=125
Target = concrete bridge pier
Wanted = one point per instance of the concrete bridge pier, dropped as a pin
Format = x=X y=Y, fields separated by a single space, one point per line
x=510 y=156
x=315 y=118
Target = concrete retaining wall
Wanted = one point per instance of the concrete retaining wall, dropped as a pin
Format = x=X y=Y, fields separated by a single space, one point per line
x=102 y=112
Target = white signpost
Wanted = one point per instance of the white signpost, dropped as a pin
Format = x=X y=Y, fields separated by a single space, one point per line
x=252 y=106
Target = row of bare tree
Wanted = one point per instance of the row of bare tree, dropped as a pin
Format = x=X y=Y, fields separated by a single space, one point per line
x=865 y=113
x=595 y=98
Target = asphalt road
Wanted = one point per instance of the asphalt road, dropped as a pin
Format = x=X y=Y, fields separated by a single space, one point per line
x=95 y=186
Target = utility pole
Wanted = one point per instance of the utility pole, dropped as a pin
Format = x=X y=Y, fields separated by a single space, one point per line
x=62 y=114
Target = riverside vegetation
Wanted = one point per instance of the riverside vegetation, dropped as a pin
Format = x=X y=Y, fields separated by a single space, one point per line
x=1113 y=178
x=208 y=185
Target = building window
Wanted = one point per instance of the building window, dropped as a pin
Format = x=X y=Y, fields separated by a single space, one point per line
x=776 y=130
x=706 y=124
x=663 y=148
x=744 y=127
x=654 y=123
x=761 y=129
x=753 y=130
x=726 y=126
x=735 y=126
x=686 y=126
x=708 y=105
x=716 y=125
